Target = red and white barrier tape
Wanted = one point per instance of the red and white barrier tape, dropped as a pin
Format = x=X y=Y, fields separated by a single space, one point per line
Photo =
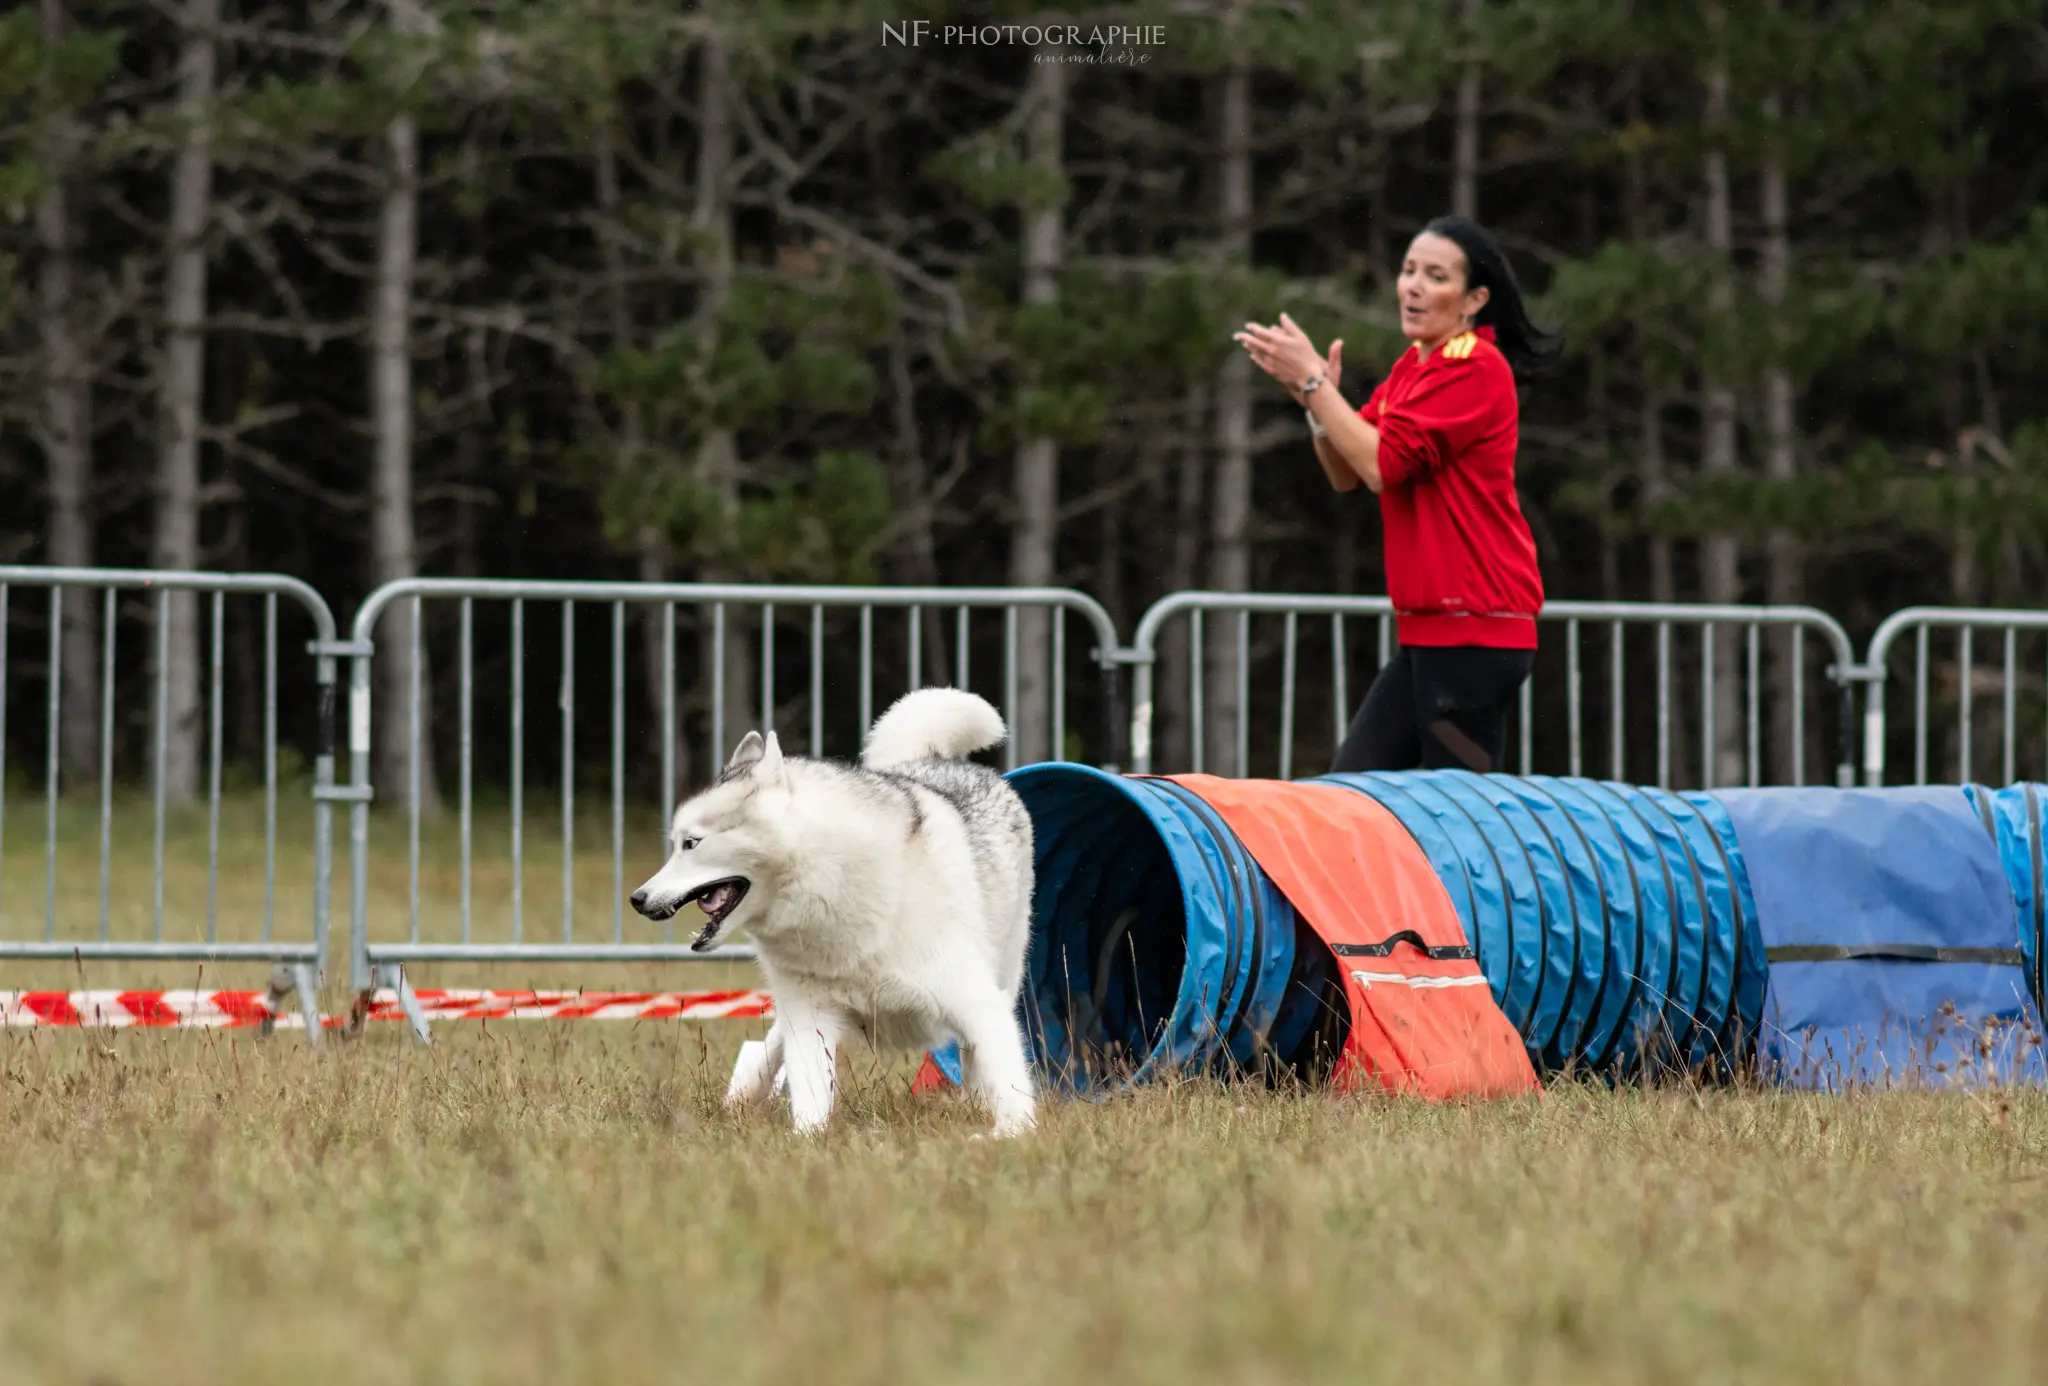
x=236 y=1009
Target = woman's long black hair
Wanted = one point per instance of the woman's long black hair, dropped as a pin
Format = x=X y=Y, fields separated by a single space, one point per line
x=1529 y=348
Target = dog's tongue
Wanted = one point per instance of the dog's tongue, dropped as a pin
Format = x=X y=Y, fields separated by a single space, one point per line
x=718 y=901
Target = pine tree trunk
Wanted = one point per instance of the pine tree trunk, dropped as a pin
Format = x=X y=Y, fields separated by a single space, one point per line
x=650 y=545
x=718 y=450
x=910 y=484
x=1720 y=558
x=1174 y=734
x=1653 y=464
x=393 y=543
x=1034 y=534
x=177 y=514
x=1784 y=579
x=66 y=432
x=1465 y=138
x=1231 y=510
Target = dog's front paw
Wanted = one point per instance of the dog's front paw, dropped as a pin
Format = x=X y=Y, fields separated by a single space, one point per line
x=1011 y=1127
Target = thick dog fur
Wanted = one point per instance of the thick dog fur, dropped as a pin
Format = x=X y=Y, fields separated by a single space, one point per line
x=891 y=899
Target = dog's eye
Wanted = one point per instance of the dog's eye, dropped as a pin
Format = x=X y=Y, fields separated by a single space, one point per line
x=690 y=842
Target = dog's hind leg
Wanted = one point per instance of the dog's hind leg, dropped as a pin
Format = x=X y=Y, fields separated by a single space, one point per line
x=753 y=1077
x=996 y=1069
x=810 y=1053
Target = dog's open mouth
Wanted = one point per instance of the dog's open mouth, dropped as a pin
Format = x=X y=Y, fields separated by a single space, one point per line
x=718 y=900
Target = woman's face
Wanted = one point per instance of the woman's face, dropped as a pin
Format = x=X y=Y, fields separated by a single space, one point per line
x=1434 y=303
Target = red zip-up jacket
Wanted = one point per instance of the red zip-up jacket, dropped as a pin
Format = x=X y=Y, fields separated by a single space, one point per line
x=1461 y=563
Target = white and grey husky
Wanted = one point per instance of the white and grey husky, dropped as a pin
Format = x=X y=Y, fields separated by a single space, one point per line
x=892 y=899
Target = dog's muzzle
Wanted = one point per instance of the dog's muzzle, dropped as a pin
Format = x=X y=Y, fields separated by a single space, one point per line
x=718 y=899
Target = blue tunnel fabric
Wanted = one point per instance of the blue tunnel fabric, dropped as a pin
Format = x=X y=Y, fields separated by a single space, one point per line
x=1881 y=909
x=1615 y=924
x=1157 y=943
x=2013 y=818
x=1837 y=936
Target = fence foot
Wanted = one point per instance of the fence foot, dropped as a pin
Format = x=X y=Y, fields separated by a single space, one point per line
x=393 y=976
x=304 y=982
x=285 y=979
x=388 y=975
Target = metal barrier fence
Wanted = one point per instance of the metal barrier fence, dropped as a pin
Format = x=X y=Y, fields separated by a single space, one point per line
x=87 y=626
x=1721 y=705
x=1956 y=691
x=1605 y=702
x=380 y=961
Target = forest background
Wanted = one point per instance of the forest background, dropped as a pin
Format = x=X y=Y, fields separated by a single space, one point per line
x=788 y=291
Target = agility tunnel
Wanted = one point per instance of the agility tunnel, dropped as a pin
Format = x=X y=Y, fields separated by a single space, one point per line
x=1458 y=934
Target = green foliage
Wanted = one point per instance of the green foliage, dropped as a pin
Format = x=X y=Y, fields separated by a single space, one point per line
x=1916 y=277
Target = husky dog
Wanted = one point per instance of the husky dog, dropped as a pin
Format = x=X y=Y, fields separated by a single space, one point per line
x=892 y=899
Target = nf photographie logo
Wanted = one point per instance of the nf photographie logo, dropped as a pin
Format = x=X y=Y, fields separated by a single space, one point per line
x=1109 y=43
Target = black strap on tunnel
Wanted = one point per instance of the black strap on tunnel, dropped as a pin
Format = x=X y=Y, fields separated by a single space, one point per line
x=1443 y=952
x=1896 y=952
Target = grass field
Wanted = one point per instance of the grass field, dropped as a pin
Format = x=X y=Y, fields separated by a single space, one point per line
x=541 y=1202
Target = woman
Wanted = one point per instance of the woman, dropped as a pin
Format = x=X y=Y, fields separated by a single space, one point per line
x=1436 y=443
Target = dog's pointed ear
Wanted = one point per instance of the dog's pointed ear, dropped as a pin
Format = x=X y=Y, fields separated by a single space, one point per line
x=770 y=767
x=745 y=754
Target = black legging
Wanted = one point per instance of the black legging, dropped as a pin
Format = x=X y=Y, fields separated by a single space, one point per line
x=1435 y=707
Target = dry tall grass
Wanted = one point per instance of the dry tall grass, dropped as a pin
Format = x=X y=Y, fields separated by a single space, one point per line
x=543 y=1202
x=548 y=1203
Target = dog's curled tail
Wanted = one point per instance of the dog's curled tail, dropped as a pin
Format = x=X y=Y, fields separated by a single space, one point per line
x=933 y=724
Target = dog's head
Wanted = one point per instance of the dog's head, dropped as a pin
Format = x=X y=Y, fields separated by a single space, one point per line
x=724 y=845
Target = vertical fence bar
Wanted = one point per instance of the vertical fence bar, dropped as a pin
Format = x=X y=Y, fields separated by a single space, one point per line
x=1059 y=683
x=1710 y=750
x=1287 y=702
x=1617 y=711
x=567 y=700
x=270 y=765
x=915 y=634
x=717 y=684
x=1574 y=689
x=213 y=767
x=55 y=724
x=1244 y=693
x=1340 y=704
x=1386 y=640
x=618 y=772
x=817 y=680
x=667 y=792
x=867 y=673
x=960 y=650
x=108 y=614
x=518 y=757
x=1967 y=677
x=1527 y=718
x=466 y=733
x=1198 y=734
x=2011 y=708
x=5 y=630
x=1798 y=705
x=163 y=717
x=1755 y=708
x=413 y=724
x=1920 y=655
x=1664 y=705
x=767 y=668
x=1010 y=686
